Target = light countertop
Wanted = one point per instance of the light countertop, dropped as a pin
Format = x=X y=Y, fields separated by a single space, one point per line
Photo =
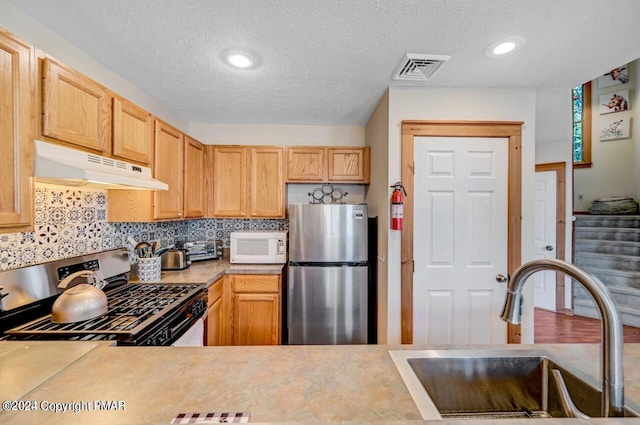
x=208 y=272
x=23 y=367
x=293 y=384
x=354 y=384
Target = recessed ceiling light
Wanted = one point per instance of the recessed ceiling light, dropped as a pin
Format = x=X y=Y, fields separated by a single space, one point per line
x=504 y=46
x=240 y=59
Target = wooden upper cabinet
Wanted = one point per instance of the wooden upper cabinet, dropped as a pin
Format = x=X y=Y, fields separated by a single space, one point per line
x=179 y=162
x=132 y=132
x=76 y=110
x=169 y=168
x=267 y=188
x=306 y=164
x=348 y=165
x=208 y=185
x=194 y=178
x=17 y=130
x=328 y=164
x=229 y=181
x=248 y=181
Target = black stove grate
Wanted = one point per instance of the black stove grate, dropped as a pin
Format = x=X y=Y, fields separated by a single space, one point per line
x=131 y=309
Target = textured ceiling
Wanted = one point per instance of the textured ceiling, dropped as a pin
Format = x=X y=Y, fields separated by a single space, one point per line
x=328 y=62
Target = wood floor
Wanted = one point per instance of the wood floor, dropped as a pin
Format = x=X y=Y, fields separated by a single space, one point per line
x=554 y=328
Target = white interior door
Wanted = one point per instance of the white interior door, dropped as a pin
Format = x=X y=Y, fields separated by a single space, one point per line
x=460 y=240
x=544 y=239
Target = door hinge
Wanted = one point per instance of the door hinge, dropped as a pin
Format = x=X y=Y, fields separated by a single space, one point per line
x=413 y=264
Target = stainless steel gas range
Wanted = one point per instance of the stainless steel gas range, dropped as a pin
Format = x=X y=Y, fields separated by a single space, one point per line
x=137 y=313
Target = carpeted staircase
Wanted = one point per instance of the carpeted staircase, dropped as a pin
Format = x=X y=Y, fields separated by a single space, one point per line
x=609 y=247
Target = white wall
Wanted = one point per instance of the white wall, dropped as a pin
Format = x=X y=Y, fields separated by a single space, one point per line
x=292 y=135
x=377 y=136
x=554 y=144
x=32 y=31
x=613 y=161
x=460 y=104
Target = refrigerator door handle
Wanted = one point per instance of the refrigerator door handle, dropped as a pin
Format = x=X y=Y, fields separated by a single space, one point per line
x=317 y=264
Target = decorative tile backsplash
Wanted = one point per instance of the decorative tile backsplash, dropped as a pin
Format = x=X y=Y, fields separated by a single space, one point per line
x=69 y=222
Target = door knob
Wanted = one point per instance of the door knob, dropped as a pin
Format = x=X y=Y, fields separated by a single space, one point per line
x=549 y=247
x=502 y=278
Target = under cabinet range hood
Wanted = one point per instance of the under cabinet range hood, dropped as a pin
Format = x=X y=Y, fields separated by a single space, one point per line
x=57 y=164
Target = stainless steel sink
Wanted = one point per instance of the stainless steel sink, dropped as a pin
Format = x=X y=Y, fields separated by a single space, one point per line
x=496 y=384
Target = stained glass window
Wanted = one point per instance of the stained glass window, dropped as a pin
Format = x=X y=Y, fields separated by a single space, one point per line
x=581 y=108
x=577 y=124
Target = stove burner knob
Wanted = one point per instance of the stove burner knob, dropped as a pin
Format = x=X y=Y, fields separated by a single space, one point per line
x=197 y=307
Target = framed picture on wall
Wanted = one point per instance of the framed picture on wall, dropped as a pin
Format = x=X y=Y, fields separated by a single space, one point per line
x=614 y=77
x=615 y=129
x=614 y=102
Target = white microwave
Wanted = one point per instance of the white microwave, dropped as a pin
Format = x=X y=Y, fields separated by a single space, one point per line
x=258 y=247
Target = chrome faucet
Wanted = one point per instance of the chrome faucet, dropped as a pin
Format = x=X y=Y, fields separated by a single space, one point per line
x=612 y=335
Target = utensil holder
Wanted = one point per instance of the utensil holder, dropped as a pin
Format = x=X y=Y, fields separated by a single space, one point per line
x=149 y=269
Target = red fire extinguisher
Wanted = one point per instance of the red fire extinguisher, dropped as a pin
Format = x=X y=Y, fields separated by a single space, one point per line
x=397 y=206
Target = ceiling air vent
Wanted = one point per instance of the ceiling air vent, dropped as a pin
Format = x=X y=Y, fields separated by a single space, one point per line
x=418 y=67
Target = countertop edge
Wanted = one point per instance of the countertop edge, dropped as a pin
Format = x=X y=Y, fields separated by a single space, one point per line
x=209 y=272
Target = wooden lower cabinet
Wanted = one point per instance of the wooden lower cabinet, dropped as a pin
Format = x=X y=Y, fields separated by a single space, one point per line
x=256 y=319
x=252 y=305
x=215 y=319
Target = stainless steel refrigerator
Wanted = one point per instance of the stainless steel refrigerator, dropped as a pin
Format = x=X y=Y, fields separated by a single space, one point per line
x=327 y=279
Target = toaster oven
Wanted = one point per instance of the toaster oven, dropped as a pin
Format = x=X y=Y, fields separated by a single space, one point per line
x=203 y=250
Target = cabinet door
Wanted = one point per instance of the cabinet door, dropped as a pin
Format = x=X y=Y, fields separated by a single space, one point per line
x=348 y=164
x=256 y=283
x=306 y=164
x=130 y=206
x=256 y=319
x=168 y=167
x=76 y=110
x=229 y=181
x=266 y=182
x=214 y=324
x=209 y=176
x=132 y=132
x=17 y=130
x=193 y=178
x=214 y=321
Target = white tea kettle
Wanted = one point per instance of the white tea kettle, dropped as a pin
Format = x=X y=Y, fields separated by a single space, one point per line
x=80 y=302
